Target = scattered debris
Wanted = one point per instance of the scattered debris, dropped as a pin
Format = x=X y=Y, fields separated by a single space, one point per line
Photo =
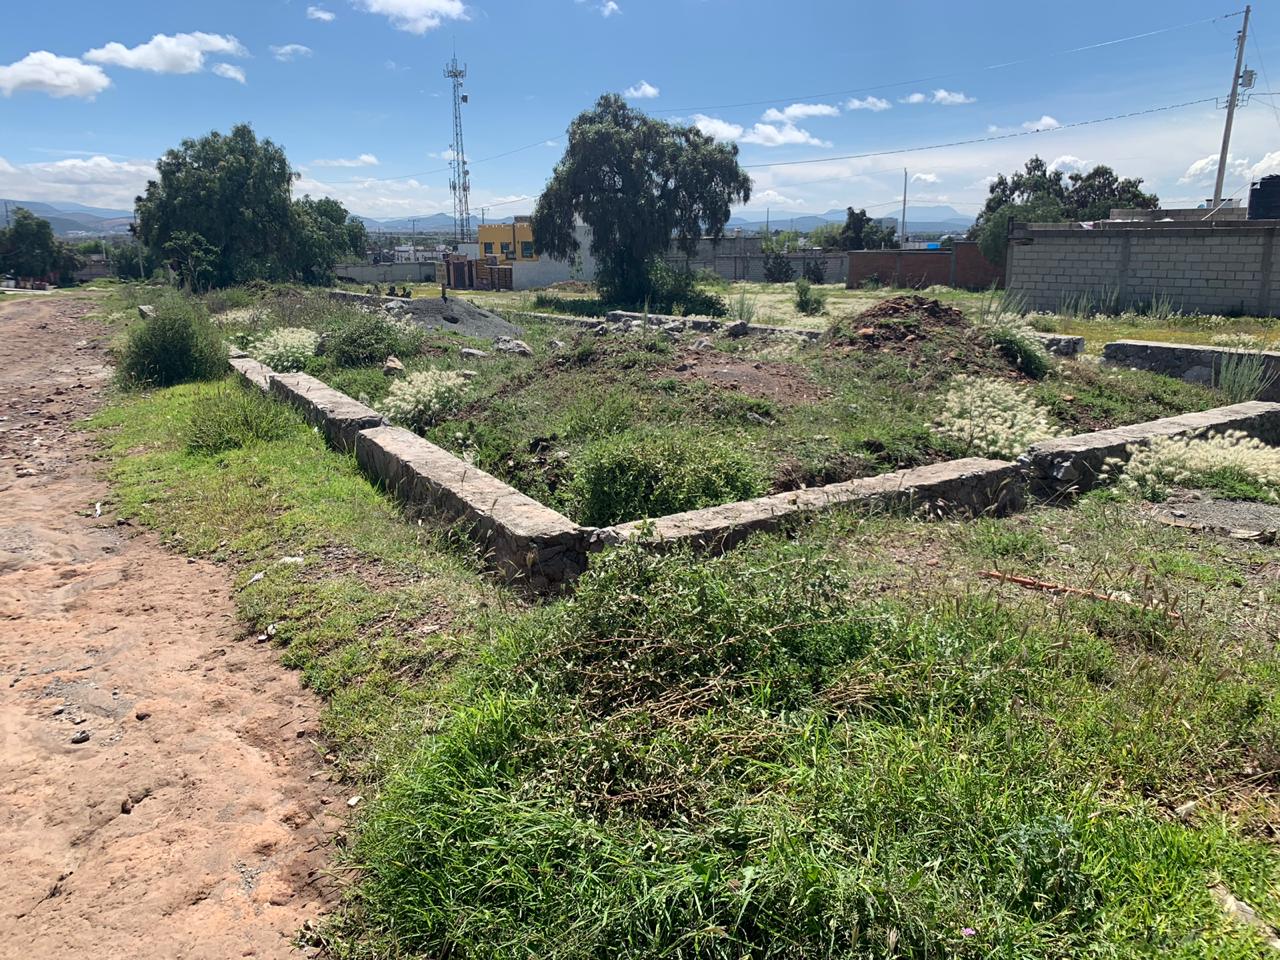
x=1032 y=584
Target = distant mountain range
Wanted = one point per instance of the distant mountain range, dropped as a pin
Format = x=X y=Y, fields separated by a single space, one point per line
x=78 y=220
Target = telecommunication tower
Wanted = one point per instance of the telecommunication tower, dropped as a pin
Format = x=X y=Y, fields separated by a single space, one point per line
x=460 y=185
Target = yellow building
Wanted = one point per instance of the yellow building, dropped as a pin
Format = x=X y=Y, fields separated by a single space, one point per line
x=507 y=241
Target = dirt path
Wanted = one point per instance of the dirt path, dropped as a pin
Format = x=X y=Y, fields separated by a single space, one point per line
x=193 y=820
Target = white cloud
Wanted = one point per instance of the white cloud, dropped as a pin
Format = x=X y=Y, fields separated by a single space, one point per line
x=290 y=51
x=780 y=135
x=914 y=98
x=180 y=53
x=644 y=90
x=950 y=98
x=95 y=180
x=924 y=178
x=445 y=154
x=321 y=14
x=772 y=196
x=1206 y=168
x=415 y=16
x=364 y=160
x=606 y=8
x=874 y=104
x=715 y=127
x=228 y=72
x=1268 y=165
x=1046 y=122
x=1068 y=164
x=45 y=72
x=798 y=111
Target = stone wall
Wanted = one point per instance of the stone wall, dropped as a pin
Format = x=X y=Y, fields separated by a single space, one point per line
x=1190 y=362
x=1214 y=267
x=424 y=272
x=751 y=266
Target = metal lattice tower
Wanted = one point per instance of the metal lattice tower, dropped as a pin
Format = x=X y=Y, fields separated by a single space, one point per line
x=460 y=185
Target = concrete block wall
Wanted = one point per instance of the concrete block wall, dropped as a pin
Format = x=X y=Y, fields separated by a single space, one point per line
x=1218 y=267
x=1190 y=362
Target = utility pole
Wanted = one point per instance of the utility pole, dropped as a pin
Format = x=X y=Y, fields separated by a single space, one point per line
x=413 y=240
x=1231 y=108
x=902 y=241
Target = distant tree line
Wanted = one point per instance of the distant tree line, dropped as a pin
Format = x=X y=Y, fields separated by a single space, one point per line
x=29 y=249
x=222 y=213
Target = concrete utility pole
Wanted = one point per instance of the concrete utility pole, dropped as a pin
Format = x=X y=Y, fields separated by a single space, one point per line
x=902 y=240
x=1231 y=108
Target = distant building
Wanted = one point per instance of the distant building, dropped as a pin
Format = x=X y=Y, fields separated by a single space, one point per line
x=507 y=241
x=408 y=253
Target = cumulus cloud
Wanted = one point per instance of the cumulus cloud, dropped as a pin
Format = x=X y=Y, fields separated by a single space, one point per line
x=772 y=196
x=1267 y=166
x=781 y=135
x=924 y=178
x=874 y=104
x=364 y=160
x=606 y=8
x=798 y=111
x=950 y=98
x=644 y=90
x=1046 y=122
x=715 y=127
x=1068 y=164
x=415 y=16
x=180 y=53
x=229 y=72
x=290 y=51
x=45 y=72
x=96 y=180
x=1206 y=168
x=321 y=14
x=914 y=98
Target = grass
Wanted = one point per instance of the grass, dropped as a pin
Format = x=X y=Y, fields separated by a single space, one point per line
x=845 y=743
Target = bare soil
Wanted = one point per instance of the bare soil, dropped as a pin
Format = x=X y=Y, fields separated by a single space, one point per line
x=787 y=384
x=162 y=790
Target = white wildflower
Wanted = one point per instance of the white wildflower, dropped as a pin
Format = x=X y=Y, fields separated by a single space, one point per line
x=424 y=398
x=993 y=418
x=286 y=349
x=1166 y=462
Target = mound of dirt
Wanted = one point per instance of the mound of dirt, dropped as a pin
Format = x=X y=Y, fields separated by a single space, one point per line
x=786 y=384
x=904 y=318
x=457 y=315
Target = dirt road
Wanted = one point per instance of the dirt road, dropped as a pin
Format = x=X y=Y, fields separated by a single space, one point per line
x=160 y=791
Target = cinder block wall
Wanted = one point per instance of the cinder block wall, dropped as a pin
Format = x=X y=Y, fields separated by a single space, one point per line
x=1211 y=267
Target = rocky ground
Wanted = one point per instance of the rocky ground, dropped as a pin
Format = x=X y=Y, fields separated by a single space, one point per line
x=161 y=788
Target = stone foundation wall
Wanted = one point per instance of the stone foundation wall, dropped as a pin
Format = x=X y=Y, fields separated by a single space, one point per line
x=1190 y=362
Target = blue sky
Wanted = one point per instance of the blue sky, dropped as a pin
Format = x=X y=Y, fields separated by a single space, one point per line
x=92 y=92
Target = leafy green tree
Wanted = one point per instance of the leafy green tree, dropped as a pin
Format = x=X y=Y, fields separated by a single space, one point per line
x=192 y=257
x=636 y=182
x=28 y=247
x=1038 y=194
x=322 y=233
x=827 y=236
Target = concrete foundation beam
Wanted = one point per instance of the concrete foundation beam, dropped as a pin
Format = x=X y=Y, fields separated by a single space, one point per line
x=334 y=414
x=971 y=487
x=253 y=373
x=1191 y=362
x=1071 y=465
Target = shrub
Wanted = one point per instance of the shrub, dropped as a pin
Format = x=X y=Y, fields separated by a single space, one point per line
x=422 y=399
x=574 y=306
x=175 y=344
x=744 y=307
x=1232 y=462
x=676 y=291
x=992 y=418
x=369 y=338
x=809 y=301
x=778 y=269
x=235 y=417
x=1243 y=376
x=815 y=271
x=286 y=349
x=631 y=475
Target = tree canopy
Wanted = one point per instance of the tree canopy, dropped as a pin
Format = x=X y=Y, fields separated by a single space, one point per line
x=636 y=182
x=1039 y=194
x=28 y=248
x=221 y=213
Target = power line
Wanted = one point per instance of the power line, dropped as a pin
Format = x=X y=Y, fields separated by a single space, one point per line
x=1039 y=58
x=990 y=138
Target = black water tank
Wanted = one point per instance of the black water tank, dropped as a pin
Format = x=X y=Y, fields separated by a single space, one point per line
x=1264 y=199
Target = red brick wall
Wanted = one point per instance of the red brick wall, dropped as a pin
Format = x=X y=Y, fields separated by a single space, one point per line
x=924 y=268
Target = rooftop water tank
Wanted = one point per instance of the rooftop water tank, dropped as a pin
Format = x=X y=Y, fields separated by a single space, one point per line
x=1264 y=199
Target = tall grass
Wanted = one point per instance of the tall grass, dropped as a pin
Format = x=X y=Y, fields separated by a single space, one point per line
x=1243 y=375
x=174 y=344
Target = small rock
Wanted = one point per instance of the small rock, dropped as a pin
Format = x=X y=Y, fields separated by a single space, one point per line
x=126 y=805
x=81 y=737
x=739 y=328
x=354 y=801
x=675 y=326
x=867 y=332
x=472 y=353
x=557 y=344
x=601 y=330
x=142 y=715
x=702 y=343
x=509 y=345
x=146 y=311
x=59 y=711
x=392 y=367
x=256 y=577
x=468 y=374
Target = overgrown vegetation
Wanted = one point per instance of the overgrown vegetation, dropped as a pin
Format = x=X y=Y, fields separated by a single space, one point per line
x=173 y=344
x=234 y=418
